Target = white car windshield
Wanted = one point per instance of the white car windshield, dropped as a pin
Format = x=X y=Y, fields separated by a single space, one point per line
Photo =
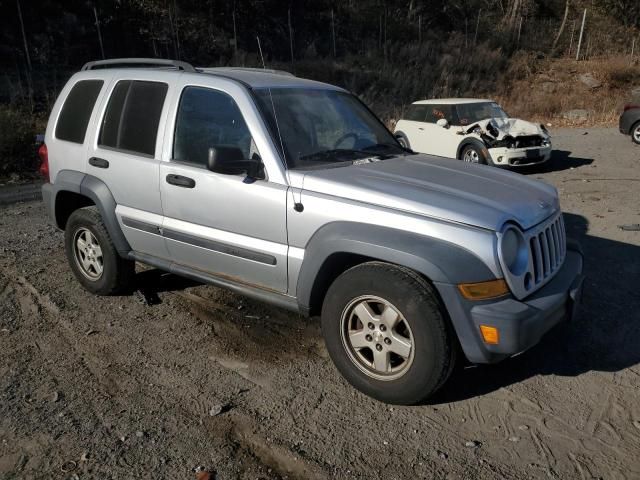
x=469 y=113
x=320 y=127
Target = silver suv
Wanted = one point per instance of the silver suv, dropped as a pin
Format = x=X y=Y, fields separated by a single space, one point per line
x=292 y=192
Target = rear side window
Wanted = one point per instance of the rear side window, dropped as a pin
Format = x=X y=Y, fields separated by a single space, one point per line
x=437 y=112
x=132 y=117
x=416 y=113
x=76 y=111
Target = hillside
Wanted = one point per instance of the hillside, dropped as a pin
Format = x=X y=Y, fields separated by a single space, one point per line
x=390 y=53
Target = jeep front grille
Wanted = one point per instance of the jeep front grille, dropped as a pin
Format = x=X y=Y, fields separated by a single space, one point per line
x=547 y=249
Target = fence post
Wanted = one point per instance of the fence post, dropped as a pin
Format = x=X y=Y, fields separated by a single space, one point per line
x=584 y=18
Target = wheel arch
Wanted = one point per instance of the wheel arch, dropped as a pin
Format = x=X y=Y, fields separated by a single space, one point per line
x=74 y=190
x=338 y=246
x=400 y=134
x=471 y=141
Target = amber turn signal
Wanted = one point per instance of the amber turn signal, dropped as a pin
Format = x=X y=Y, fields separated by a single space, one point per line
x=490 y=334
x=484 y=290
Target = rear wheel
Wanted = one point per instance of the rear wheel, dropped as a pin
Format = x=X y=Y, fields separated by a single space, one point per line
x=92 y=256
x=473 y=154
x=635 y=133
x=387 y=334
x=403 y=141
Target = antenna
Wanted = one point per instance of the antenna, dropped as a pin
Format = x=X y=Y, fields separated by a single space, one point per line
x=260 y=50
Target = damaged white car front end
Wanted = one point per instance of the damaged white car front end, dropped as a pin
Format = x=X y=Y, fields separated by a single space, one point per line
x=512 y=142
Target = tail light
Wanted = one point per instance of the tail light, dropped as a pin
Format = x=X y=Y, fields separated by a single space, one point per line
x=629 y=106
x=44 y=162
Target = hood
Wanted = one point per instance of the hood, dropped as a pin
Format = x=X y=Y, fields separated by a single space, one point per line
x=513 y=127
x=477 y=195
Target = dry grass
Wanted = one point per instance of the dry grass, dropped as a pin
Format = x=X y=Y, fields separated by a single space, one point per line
x=552 y=87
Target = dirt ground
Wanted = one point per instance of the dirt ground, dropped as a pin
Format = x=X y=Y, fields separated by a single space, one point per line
x=179 y=375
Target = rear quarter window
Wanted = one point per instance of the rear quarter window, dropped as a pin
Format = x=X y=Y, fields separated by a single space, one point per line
x=76 y=111
x=132 y=117
x=416 y=113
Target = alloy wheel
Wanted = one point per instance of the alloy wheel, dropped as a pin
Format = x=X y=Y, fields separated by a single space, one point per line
x=377 y=338
x=88 y=254
x=471 y=156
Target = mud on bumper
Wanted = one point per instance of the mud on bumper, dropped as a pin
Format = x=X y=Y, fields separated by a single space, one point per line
x=521 y=323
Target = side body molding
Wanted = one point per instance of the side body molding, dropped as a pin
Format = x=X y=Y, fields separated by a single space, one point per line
x=98 y=192
x=438 y=260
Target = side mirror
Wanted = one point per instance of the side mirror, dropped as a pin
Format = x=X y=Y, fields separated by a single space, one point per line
x=443 y=123
x=230 y=161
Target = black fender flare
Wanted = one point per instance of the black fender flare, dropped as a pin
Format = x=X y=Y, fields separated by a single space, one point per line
x=94 y=189
x=438 y=260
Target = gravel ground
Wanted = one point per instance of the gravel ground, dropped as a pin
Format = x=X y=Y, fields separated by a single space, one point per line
x=179 y=375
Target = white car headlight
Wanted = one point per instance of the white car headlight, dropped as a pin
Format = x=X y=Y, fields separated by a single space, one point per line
x=514 y=251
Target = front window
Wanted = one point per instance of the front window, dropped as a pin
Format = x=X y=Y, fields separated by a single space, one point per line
x=469 y=113
x=209 y=118
x=316 y=128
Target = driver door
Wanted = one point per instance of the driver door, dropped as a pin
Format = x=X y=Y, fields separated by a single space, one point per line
x=226 y=225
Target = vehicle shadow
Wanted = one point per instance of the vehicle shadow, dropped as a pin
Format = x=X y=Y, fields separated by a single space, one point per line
x=150 y=282
x=604 y=337
x=560 y=160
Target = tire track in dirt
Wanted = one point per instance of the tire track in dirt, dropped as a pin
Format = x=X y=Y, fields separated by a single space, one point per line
x=281 y=461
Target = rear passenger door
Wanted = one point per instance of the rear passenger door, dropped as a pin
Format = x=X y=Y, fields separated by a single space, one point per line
x=124 y=156
x=227 y=225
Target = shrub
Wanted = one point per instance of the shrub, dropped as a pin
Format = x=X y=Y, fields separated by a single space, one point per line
x=17 y=141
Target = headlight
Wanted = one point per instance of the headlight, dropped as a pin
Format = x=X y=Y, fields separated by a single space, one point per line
x=514 y=251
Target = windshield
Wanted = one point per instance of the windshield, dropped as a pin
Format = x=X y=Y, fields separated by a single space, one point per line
x=322 y=127
x=469 y=113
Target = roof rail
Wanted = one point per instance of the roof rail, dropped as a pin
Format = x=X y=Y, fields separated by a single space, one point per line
x=247 y=69
x=135 y=62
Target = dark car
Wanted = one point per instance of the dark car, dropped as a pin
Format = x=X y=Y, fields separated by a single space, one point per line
x=630 y=121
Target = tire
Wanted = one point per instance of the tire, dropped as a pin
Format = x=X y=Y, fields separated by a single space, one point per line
x=403 y=141
x=99 y=268
x=635 y=133
x=375 y=287
x=473 y=154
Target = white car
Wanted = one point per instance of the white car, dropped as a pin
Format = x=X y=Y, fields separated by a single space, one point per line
x=472 y=130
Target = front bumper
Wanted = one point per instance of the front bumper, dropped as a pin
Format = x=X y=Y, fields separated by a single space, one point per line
x=519 y=157
x=521 y=323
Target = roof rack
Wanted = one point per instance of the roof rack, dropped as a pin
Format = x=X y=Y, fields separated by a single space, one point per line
x=136 y=62
x=247 y=69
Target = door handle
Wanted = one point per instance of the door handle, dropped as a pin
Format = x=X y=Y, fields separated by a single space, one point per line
x=180 y=181
x=420 y=128
x=98 y=162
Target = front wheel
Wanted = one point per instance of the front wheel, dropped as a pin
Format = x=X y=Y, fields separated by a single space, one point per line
x=635 y=133
x=387 y=334
x=474 y=154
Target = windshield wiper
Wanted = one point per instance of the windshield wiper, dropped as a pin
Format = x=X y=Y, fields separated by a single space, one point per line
x=335 y=153
x=386 y=146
